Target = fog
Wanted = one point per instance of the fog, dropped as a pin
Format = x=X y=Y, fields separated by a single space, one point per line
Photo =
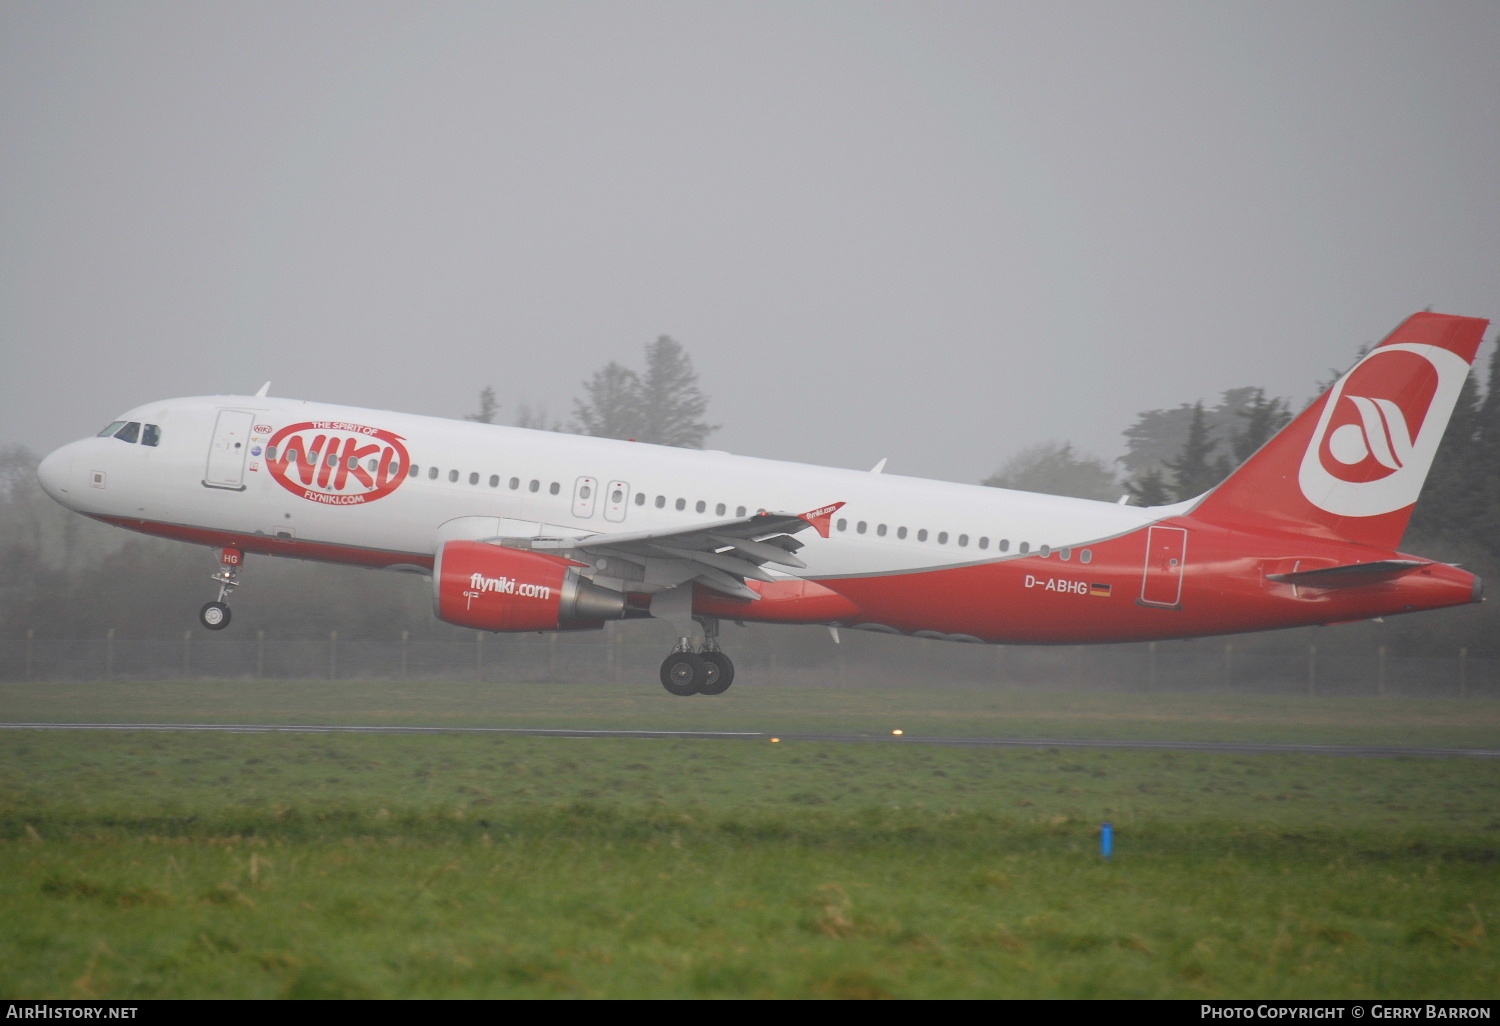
x=930 y=232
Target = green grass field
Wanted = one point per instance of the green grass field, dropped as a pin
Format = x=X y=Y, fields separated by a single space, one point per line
x=140 y=865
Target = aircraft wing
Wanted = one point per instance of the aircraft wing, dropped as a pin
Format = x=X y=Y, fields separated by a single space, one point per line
x=720 y=555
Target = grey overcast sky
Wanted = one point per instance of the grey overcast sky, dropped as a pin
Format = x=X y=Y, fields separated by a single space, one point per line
x=935 y=232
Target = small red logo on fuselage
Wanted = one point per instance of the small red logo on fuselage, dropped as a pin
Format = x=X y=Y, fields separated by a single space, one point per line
x=337 y=463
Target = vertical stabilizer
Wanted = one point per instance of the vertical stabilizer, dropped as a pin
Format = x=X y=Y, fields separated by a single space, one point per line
x=1353 y=463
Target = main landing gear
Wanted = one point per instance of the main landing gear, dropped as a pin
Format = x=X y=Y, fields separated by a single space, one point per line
x=215 y=615
x=704 y=672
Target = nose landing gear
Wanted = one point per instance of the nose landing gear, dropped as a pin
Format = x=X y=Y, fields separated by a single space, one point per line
x=215 y=615
x=707 y=671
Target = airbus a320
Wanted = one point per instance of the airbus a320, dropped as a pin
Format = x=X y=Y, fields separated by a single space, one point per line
x=525 y=530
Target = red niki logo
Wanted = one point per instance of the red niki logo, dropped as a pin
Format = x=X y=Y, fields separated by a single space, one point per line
x=337 y=463
x=1377 y=432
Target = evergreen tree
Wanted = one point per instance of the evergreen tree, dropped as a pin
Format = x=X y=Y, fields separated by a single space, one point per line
x=1194 y=470
x=1056 y=470
x=1242 y=421
x=665 y=406
x=611 y=407
x=1453 y=499
x=672 y=405
x=1260 y=419
x=1487 y=458
x=1149 y=489
x=488 y=407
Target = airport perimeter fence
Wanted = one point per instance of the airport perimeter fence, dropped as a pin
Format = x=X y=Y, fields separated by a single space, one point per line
x=861 y=660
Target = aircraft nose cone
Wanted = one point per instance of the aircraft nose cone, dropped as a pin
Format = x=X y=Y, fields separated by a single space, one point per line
x=54 y=473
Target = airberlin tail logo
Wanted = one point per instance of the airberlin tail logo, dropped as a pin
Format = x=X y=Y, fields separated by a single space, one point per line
x=1379 y=429
x=337 y=463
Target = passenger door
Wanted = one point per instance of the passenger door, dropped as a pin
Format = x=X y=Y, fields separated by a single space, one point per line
x=228 y=449
x=1166 y=553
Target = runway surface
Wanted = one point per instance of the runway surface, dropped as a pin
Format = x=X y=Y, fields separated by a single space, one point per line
x=1241 y=747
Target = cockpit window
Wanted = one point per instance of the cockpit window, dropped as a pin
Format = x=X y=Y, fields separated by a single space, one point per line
x=115 y=426
x=150 y=434
x=130 y=432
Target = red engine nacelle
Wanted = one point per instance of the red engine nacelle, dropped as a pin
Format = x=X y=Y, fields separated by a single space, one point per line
x=498 y=588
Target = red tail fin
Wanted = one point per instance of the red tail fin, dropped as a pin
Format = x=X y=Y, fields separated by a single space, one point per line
x=1352 y=464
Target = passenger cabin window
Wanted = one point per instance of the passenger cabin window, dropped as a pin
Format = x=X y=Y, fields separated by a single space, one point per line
x=432 y=473
x=681 y=504
x=739 y=511
x=474 y=478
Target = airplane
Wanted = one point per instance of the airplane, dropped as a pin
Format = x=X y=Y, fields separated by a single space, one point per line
x=524 y=530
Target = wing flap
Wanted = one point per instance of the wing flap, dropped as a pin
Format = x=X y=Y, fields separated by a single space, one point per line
x=720 y=554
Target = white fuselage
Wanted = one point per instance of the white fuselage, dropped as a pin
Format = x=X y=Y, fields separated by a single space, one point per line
x=461 y=473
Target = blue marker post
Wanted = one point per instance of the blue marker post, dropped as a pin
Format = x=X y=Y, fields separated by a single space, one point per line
x=1107 y=841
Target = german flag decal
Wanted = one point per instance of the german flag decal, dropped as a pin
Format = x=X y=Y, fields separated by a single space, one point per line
x=1099 y=590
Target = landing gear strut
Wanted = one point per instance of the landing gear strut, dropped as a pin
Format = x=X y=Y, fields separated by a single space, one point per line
x=707 y=671
x=215 y=615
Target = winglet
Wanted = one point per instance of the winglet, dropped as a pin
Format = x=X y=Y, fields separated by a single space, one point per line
x=263 y=390
x=820 y=517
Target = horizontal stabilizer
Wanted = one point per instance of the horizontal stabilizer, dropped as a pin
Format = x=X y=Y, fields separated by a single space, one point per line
x=1351 y=574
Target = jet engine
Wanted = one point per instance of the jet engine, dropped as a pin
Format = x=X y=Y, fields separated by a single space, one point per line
x=498 y=588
